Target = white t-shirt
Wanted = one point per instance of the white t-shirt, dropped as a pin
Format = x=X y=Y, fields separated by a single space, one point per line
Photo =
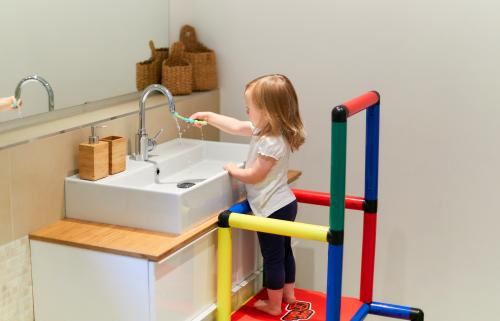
x=271 y=194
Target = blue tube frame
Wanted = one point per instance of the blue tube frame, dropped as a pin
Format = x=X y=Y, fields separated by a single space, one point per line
x=371 y=152
x=241 y=207
x=390 y=310
x=362 y=313
x=334 y=282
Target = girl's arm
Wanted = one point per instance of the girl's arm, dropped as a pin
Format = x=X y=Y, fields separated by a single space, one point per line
x=227 y=124
x=254 y=174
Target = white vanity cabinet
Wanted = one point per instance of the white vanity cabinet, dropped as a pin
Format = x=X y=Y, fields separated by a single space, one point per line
x=71 y=283
x=80 y=284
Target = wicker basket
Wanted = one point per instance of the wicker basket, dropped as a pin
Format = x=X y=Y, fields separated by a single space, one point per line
x=201 y=58
x=177 y=73
x=160 y=54
x=146 y=72
x=149 y=71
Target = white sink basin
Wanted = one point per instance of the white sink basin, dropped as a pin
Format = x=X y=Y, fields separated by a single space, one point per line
x=191 y=184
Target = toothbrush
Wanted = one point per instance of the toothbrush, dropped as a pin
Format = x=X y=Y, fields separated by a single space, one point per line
x=14 y=104
x=191 y=121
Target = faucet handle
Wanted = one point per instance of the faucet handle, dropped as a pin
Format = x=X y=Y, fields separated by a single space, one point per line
x=152 y=141
x=158 y=134
x=151 y=144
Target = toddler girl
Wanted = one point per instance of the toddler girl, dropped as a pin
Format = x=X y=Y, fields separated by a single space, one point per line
x=276 y=130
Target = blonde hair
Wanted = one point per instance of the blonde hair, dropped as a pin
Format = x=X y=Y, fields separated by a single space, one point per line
x=276 y=97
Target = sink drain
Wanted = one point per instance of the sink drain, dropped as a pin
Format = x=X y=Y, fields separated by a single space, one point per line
x=189 y=182
x=185 y=184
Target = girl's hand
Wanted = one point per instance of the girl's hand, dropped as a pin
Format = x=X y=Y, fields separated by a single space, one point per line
x=19 y=104
x=230 y=167
x=201 y=115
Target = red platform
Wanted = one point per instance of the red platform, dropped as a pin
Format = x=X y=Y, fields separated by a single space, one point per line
x=310 y=306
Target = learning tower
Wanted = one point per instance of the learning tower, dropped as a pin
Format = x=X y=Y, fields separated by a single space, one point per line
x=314 y=305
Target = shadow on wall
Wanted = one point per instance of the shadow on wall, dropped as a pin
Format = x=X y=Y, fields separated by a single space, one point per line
x=304 y=260
x=397 y=247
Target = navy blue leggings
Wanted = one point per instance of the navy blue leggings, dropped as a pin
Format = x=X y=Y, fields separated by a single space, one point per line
x=279 y=263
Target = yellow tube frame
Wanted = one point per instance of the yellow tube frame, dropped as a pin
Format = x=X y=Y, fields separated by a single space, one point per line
x=258 y=224
x=224 y=273
x=279 y=227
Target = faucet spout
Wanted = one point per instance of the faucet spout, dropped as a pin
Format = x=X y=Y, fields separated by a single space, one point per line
x=143 y=143
x=45 y=83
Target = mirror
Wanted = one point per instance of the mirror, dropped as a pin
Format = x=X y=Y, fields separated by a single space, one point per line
x=86 y=49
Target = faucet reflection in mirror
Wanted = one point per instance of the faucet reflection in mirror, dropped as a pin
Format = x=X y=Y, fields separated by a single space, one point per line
x=143 y=143
x=46 y=85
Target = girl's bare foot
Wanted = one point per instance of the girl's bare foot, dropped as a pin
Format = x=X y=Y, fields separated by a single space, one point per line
x=273 y=305
x=264 y=306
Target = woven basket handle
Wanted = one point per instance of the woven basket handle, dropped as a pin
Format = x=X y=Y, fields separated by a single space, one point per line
x=176 y=52
x=153 y=49
x=188 y=37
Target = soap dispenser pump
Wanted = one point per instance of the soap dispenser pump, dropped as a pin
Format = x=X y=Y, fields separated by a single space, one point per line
x=93 y=138
x=93 y=157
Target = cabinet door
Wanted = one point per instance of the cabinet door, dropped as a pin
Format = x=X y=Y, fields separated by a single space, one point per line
x=76 y=284
x=246 y=255
x=183 y=285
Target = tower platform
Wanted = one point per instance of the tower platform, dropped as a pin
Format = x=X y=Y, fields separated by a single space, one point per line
x=310 y=306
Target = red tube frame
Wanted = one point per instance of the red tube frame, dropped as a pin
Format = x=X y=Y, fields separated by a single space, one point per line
x=368 y=257
x=362 y=102
x=322 y=198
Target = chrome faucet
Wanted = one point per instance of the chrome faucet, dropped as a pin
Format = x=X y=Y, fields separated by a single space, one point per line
x=45 y=84
x=144 y=144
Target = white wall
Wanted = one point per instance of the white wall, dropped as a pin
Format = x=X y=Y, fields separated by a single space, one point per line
x=436 y=65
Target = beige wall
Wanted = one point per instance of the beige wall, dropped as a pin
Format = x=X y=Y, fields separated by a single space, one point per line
x=32 y=189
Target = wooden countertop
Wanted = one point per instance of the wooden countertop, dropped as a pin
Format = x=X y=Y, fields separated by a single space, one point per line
x=128 y=241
